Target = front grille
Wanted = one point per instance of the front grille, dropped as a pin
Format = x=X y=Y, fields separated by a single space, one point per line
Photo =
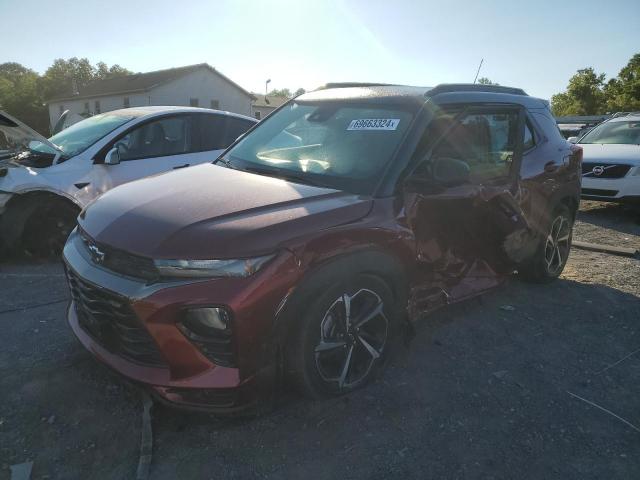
x=598 y=192
x=604 y=170
x=120 y=261
x=109 y=319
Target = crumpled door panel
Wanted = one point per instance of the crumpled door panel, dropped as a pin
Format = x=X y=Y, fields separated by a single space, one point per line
x=467 y=238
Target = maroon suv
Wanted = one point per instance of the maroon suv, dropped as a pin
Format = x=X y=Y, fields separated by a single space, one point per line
x=316 y=238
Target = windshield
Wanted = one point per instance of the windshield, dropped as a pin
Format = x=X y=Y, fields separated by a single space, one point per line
x=346 y=147
x=614 y=132
x=80 y=136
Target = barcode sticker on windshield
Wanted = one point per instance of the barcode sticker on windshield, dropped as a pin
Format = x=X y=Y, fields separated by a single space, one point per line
x=374 y=124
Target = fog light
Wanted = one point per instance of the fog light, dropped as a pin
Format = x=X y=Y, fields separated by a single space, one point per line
x=207 y=321
x=209 y=329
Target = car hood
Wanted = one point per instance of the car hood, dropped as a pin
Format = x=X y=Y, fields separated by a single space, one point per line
x=17 y=135
x=210 y=211
x=610 y=153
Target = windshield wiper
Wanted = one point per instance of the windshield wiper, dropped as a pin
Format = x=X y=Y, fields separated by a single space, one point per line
x=225 y=161
x=285 y=176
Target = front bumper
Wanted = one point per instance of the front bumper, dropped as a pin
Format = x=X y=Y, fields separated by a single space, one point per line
x=624 y=189
x=186 y=378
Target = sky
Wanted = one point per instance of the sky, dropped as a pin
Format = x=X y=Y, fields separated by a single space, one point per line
x=535 y=45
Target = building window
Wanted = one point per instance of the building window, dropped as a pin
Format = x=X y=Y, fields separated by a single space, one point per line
x=126 y=103
x=215 y=104
x=193 y=102
x=86 y=107
x=257 y=115
x=97 y=106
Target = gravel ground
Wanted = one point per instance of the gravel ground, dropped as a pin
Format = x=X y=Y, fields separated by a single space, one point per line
x=488 y=389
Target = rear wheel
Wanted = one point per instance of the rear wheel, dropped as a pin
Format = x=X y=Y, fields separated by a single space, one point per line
x=553 y=250
x=343 y=338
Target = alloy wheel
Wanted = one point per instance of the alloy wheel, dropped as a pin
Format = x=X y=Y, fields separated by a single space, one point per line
x=353 y=335
x=557 y=245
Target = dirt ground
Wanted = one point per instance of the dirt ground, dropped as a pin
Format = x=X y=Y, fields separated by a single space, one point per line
x=497 y=387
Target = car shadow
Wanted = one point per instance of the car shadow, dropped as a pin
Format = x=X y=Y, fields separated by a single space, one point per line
x=613 y=216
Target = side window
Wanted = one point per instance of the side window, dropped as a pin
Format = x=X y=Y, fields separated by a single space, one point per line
x=529 y=140
x=210 y=132
x=166 y=136
x=485 y=140
x=235 y=128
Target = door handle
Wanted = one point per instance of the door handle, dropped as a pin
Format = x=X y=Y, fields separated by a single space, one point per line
x=181 y=166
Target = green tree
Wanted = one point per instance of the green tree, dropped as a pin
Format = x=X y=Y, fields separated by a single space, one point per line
x=283 y=92
x=486 y=81
x=23 y=92
x=623 y=93
x=299 y=91
x=65 y=77
x=584 y=95
x=21 y=97
x=103 y=71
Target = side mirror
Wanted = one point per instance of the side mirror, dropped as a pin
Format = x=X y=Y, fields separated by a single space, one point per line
x=450 y=172
x=112 y=157
x=572 y=139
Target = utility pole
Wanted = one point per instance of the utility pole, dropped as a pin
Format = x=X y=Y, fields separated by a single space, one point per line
x=266 y=87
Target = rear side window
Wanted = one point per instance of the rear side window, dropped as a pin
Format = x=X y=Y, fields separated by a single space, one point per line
x=210 y=134
x=529 y=141
x=217 y=132
x=235 y=128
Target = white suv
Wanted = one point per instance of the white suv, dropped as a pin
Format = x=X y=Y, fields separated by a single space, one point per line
x=45 y=183
x=611 y=162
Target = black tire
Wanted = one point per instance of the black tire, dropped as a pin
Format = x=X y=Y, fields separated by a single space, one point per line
x=321 y=347
x=47 y=229
x=550 y=257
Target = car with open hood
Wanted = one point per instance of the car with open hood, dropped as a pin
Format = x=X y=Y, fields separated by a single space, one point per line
x=44 y=183
x=317 y=240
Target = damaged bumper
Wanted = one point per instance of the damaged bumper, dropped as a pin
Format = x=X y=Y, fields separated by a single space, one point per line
x=132 y=327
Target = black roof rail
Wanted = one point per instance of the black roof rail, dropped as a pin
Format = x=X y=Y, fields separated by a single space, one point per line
x=473 y=87
x=353 y=84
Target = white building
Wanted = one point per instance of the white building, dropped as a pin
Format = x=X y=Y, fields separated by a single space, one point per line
x=194 y=85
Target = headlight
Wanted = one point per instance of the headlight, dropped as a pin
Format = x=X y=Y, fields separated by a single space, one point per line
x=242 y=267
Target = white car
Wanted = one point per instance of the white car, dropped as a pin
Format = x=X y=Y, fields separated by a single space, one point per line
x=611 y=160
x=44 y=184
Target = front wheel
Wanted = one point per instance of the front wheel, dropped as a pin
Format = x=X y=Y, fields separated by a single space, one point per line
x=343 y=338
x=552 y=253
x=48 y=228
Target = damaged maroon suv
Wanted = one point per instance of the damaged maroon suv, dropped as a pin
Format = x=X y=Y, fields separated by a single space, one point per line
x=304 y=251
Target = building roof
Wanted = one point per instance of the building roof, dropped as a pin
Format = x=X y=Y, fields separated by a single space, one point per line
x=139 y=82
x=269 y=101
